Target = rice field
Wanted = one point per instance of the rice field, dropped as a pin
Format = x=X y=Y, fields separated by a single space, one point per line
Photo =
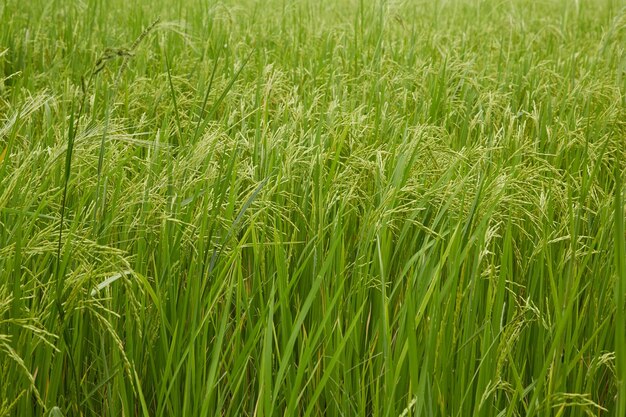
x=312 y=208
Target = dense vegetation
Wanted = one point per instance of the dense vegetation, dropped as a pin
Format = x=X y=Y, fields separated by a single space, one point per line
x=312 y=208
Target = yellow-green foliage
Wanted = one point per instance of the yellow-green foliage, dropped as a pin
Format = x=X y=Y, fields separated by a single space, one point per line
x=312 y=208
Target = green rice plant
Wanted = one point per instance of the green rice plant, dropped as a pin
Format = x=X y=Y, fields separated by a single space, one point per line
x=312 y=208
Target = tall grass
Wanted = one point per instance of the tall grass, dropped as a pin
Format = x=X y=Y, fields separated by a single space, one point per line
x=312 y=208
